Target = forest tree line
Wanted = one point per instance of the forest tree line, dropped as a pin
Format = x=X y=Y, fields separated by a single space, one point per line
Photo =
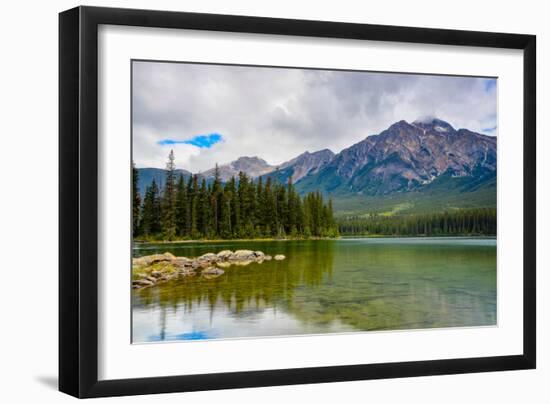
x=193 y=208
x=464 y=222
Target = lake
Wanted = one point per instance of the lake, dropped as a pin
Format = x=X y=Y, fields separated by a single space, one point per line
x=323 y=286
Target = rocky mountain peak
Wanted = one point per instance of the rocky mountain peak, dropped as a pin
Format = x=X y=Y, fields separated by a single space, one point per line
x=307 y=163
x=434 y=124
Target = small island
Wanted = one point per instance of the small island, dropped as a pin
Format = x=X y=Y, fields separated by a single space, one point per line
x=153 y=269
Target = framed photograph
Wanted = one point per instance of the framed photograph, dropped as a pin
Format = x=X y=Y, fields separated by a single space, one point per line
x=251 y=201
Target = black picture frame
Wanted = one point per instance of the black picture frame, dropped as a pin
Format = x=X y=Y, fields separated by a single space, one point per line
x=78 y=200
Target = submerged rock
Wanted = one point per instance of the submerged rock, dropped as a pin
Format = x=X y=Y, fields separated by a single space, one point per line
x=211 y=273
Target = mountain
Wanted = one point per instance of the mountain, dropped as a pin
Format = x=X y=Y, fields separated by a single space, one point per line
x=252 y=166
x=407 y=157
x=305 y=164
x=146 y=175
x=423 y=166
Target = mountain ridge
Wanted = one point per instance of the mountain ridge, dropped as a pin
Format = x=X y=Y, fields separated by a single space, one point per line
x=427 y=156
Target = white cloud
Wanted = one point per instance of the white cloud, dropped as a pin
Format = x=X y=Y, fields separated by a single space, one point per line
x=278 y=113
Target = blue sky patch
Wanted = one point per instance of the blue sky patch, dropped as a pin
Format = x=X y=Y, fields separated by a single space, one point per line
x=490 y=131
x=490 y=84
x=201 y=141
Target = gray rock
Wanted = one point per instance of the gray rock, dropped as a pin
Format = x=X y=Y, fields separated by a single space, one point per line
x=181 y=262
x=142 y=282
x=209 y=257
x=225 y=254
x=211 y=273
x=240 y=255
x=152 y=259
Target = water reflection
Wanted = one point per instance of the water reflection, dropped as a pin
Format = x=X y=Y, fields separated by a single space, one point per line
x=325 y=286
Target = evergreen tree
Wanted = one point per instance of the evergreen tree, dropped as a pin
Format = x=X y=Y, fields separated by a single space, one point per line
x=150 y=213
x=216 y=201
x=194 y=207
x=234 y=206
x=169 y=200
x=204 y=211
x=136 y=201
x=181 y=208
x=242 y=208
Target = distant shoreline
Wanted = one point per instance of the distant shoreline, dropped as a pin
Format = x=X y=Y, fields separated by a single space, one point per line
x=243 y=240
x=480 y=236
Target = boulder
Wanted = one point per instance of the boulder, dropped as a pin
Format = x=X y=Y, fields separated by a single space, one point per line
x=152 y=259
x=259 y=254
x=142 y=282
x=225 y=254
x=140 y=262
x=156 y=274
x=223 y=264
x=211 y=273
x=209 y=257
x=181 y=262
x=240 y=255
x=267 y=258
x=186 y=272
x=279 y=257
x=162 y=257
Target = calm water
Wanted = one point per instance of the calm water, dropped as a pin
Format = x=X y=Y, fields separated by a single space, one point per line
x=324 y=286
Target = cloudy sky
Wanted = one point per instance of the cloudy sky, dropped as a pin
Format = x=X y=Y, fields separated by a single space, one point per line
x=212 y=114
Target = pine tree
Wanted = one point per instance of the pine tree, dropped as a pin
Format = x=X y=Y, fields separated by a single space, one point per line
x=225 y=229
x=216 y=201
x=150 y=213
x=204 y=212
x=181 y=208
x=270 y=211
x=234 y=206
x=169 y=200
x=136 y=201
x=194 y=207
x=254 y=208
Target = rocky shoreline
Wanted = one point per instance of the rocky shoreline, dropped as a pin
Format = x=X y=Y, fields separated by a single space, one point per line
x=154 y=269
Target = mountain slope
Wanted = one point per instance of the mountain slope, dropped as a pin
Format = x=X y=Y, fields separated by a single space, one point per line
x=410 y=167
x=252 y=166
x=403 y=158
x=301 y=166
x=146 y=175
